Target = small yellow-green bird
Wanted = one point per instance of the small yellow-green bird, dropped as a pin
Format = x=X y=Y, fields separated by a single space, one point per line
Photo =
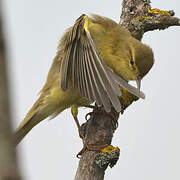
x=95 y=60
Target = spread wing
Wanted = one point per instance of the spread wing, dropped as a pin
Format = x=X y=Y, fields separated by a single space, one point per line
x=88 y=73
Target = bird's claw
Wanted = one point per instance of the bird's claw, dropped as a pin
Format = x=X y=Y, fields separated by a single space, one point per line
x=99 y=109
x=90 y=147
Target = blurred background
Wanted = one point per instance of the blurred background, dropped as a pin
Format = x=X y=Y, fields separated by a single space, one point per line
x=148 y=135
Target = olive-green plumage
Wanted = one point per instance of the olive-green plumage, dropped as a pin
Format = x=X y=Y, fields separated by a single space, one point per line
x=95 y=58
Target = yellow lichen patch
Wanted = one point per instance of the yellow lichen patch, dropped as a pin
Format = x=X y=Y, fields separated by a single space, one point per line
x=109 y=149
x=157 y=11
x=152 y=12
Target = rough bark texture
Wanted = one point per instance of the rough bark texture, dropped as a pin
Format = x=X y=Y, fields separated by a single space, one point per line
x=8 y=165
x=97 y=130
x=138 y=17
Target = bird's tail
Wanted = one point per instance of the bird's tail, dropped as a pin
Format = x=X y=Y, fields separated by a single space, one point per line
x=50 y=103
x=24 y=128
x=37 y=113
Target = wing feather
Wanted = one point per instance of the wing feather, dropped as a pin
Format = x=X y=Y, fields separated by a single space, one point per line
x=89 y=74
x=85 y=75
x=99 y=90
x=65 y=69
x=81 y=74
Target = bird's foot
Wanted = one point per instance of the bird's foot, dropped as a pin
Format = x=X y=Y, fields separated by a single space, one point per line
x=91 y=147
x=100 y=110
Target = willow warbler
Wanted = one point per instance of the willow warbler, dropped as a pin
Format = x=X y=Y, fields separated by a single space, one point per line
x=94 y=62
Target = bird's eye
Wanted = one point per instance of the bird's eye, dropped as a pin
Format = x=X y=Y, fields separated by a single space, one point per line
x=132 y=62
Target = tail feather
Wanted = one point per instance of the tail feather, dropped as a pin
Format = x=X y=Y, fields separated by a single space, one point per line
x=36 y=114
x=24 y=129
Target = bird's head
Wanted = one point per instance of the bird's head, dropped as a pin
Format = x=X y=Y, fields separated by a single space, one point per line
x=141 y=61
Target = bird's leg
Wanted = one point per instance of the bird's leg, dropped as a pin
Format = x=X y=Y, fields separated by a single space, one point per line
x=86 y=146
x=74 y=112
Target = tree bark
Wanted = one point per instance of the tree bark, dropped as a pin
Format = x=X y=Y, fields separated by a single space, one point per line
x=8 y=164
x=138 y=17
x=97 y=130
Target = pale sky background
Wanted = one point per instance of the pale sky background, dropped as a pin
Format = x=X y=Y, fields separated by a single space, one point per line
x=149 y=130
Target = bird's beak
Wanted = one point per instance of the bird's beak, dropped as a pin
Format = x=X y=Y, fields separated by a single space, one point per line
x=138 y=82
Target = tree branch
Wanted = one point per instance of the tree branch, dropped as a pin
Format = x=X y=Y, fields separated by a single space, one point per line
x=138 y=17
x=97 y=130
x=160 y=22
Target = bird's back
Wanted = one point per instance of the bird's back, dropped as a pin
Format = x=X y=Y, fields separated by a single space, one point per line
x=111 y=41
